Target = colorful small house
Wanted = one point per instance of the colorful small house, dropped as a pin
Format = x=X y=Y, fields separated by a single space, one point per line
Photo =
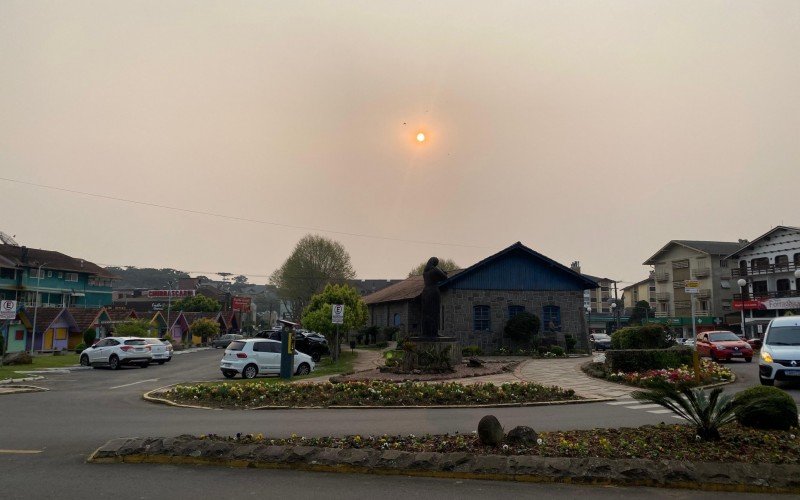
x=182 y=324
x=53 y=328
x=158 y=325
x=87 y=319
x=18 y=331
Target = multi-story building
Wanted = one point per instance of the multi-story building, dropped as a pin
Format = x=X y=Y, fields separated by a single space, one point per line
x=58 y=279
x=705 y=261
x=642 y=290
x=770 y=265
x=597 y=303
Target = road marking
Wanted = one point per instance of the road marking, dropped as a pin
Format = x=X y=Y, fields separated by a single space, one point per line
x=659 y=412
x=20 y=452
x=642 y=407
x=134 y=383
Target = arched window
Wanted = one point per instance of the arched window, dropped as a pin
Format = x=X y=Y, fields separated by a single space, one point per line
x=514 y=310
x=396 y=319
x=480 y=318
x=551 y=319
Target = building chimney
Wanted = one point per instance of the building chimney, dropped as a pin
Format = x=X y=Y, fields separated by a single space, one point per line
x=576 y=266
x=743 y=242
x=24 y=255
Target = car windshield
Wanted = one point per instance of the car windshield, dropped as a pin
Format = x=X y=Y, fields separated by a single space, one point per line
x=236 y=345
x=154 y=341
x=783 y=335
x=721 y=337
x=135 y=342
x=601 y=336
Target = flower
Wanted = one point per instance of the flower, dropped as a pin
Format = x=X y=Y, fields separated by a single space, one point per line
x=540 y=441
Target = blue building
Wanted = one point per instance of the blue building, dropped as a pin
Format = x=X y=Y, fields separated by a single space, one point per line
x=58 y=279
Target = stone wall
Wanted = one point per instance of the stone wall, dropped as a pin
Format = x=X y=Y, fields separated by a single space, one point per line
x=457 y=314
x=382 y=315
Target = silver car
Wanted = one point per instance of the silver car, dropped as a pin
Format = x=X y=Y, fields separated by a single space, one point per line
x=780 y=354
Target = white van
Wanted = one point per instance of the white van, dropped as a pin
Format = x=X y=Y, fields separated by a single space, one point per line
x=780 y=354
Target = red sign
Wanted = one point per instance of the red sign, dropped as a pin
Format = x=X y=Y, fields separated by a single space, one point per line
x=241 y=304
x=747 y=304
x=170 y=293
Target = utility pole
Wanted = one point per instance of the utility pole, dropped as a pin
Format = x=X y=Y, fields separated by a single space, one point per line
x=616 y=301
x=36 y=307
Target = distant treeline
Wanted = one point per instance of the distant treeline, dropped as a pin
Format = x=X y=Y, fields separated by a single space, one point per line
x=133 y=277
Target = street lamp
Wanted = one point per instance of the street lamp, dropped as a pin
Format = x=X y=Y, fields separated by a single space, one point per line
x=615 y=314
x=742 y=283
x=36 y=306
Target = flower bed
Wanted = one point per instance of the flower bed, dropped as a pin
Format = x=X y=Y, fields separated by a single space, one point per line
x=658 y=442
x=710 y=373
x=371 y=393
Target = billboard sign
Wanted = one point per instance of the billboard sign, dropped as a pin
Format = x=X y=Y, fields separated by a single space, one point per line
x=241 y=304
x=170 y=293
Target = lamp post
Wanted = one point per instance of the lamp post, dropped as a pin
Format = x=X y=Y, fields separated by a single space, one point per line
x=615 y=313
x=742 y=283
x=36 y=306
x=169 y=306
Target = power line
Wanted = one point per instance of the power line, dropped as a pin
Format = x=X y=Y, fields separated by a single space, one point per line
x=233 y=217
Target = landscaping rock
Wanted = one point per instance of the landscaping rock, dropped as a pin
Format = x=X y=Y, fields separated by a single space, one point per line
x=475 y=363
x=523 y=435
x=17 y=358
x=490 y=431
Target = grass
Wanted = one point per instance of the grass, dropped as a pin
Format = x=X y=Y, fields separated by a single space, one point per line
x=325 y=367
x=39 y=362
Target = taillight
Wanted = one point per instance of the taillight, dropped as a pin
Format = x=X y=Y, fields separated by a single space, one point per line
x=149 y=348
x=126 y=348
x=241 y=355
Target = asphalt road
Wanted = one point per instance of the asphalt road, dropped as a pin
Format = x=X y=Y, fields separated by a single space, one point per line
x=58 y=429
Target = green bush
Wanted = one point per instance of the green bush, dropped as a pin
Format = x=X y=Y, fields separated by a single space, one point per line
x=766 y=408
x=542 y=350
x=390 y=332
x=80 y=347
x=382 y=345
x=637 y=360
x=640 y=337
x=558 y=351
x=471 y=350
x=88 y=336
x=522 y=327
x=570 y=342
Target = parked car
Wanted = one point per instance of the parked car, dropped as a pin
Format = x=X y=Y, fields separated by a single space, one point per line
x=600 y=341
x=224 y=340
x=688 y=343
x=780 y=354
x=723 y=345
x=311 y=343
x=160 y=349
x=755 y=343
x=115 y=352
x=252 y=357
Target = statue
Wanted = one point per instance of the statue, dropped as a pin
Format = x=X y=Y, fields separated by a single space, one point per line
x=431 y=299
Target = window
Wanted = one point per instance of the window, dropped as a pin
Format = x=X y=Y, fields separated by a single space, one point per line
x=551 y=318
x=797 y=259
x=49 y=274
x=71 y=277
x=603 y=288
x=514 y=310
x=760 y=263
x=723 y=264
x=36 y=273
x=782 y=262
x=61 y=276
x=480 y=318
x=605 y=310
x=783 y=285
x=594 y=300
x=759 y=287
x=397 y=319
x=7 y=273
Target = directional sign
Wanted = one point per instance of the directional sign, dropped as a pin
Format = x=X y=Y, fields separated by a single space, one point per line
x=8 y=309
x=692 y=286
x=337 y=314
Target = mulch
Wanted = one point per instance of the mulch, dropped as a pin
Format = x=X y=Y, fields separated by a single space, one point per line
x=461 y=371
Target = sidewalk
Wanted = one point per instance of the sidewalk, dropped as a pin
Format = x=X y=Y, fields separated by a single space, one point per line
x=367 y=359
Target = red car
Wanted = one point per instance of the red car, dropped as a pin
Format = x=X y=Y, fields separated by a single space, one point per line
x=723 y=345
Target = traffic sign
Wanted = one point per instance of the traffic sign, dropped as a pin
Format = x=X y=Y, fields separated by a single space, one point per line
x=8 y=309
x=337 y=314
x=691 y=286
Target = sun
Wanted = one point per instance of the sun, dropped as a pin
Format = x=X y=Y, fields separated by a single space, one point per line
x=420 y=137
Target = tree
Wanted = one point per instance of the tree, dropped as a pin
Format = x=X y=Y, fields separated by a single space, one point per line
x=317 y=315
x=204 y=328
x=315 y=262
x=198 y=303
x=132 y=277
x=641 y=311
x=445 y=265
x=133 y=328
x=522 y=327
x=240 y=280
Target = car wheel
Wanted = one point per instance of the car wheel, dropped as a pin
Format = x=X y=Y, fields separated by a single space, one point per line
x=85 y=360
x=303 y=369
x=113 y=362
x=767 y=381
x=747 y=360
x=161 y=362
x=228 y=373
x=316 y=356
x=250 y=371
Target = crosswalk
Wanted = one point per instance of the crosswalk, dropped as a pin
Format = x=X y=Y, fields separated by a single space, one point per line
x=633 y=404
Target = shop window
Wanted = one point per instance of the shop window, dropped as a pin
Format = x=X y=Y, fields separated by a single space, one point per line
x=480 y=318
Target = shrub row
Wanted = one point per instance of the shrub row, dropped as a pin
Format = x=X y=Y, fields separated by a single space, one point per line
x=637 y=360
x=640 y=337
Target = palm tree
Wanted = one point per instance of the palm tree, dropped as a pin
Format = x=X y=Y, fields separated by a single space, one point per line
x=708 y=412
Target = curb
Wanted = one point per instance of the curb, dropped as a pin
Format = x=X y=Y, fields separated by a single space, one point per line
x=18 y=380
x=188 y=450
x=152 y=398
x=22 y=389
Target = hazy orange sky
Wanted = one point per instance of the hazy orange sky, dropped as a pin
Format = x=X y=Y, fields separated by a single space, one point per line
x=588 y=130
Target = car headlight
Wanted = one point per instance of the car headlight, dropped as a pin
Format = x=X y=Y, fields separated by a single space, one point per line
x=767 y=357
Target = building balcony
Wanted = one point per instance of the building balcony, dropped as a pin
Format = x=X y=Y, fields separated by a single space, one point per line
x=739 y=272
x=766 y=295
x=663 y=296
x=662 y=314
x=704 y=293
x=683 y=304
x=678 y=284
x=701 y=272
x=663 y=276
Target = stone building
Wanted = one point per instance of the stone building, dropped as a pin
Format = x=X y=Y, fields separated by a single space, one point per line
x=479 y=300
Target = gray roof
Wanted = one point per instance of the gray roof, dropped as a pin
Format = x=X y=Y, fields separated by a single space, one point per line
x=765 y=235
x=708 y=247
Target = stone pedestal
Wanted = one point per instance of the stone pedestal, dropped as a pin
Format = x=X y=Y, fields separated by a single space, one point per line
x=428 y=351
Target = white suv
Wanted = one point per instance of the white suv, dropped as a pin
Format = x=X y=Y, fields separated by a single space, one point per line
x=252 y=357
x=780 y=354
x=117 y=351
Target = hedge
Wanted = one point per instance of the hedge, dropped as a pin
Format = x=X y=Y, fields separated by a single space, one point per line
x=640 y=337
x=766 y=408
x=637 y=360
